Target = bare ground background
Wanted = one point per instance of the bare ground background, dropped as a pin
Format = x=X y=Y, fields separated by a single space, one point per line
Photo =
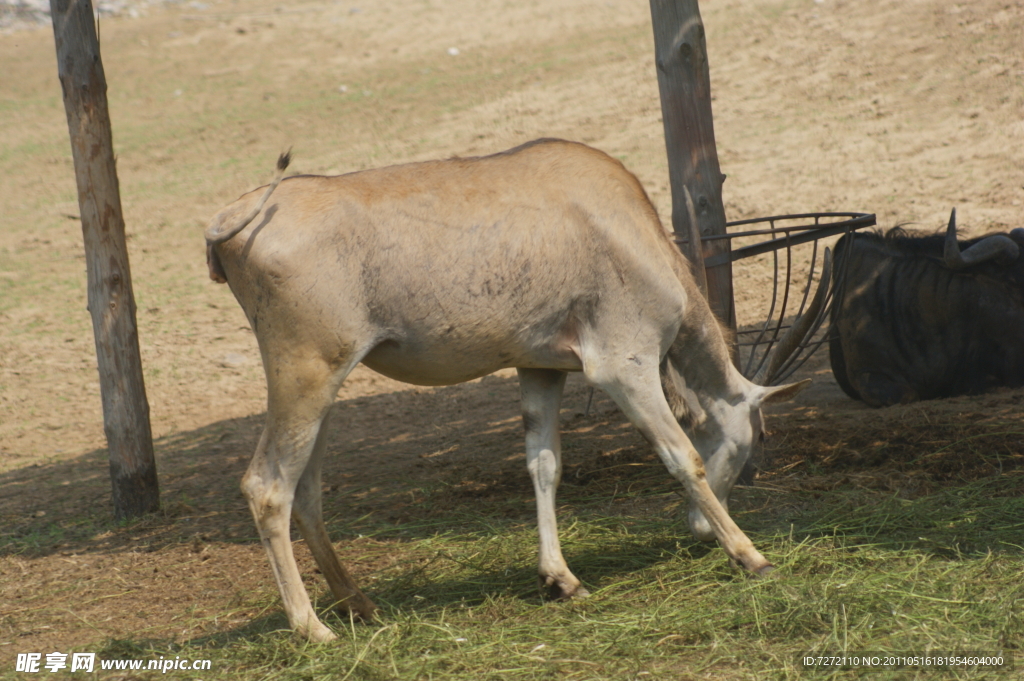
x=903 y=109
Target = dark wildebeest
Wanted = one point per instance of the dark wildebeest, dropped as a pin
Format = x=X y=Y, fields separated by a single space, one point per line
x=549 y=258
x=923 y=317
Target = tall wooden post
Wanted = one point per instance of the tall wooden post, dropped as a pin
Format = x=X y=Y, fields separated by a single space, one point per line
x=111 y=302
x=684 y=81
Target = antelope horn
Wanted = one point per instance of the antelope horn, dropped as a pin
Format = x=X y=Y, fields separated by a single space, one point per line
x=790 y=341
x=998 y=247
x=696 y=249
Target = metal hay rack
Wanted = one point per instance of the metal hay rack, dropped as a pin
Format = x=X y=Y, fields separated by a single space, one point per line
x=803 y=267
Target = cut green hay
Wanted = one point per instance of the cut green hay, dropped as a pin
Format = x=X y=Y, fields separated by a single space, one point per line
x=976 y=517
x=862 y=565
x=866 y=573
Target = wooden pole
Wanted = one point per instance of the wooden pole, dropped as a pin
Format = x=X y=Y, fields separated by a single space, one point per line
x=111 y=302
x=684 y=81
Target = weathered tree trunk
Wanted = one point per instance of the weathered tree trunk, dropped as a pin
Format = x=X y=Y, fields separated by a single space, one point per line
x=684 y=81
x=111 y=302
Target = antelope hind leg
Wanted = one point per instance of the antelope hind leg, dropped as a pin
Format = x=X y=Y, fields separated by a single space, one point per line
x=269 y=485
x=308 y=514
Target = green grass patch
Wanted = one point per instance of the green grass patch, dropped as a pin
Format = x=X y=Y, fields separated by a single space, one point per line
x=859 y=572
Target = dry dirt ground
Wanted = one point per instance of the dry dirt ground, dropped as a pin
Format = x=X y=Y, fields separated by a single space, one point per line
x=903 y=109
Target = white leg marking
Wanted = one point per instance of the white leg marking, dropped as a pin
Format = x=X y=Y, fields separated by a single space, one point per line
x=269 y=486
x=542 y=395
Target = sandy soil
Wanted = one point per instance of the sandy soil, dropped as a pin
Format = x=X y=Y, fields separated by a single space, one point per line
x=902 y=109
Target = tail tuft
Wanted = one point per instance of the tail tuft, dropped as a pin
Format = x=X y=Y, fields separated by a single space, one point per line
x=217 y=233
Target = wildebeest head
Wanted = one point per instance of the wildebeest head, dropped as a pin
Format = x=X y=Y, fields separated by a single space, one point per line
x=1000 y=249
x=923 y=317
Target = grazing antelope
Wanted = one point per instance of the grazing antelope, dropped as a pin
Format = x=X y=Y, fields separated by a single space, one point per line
x=548 y=258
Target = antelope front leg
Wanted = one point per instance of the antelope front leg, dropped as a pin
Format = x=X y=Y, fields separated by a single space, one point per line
x=542 y=395
x=640 y=397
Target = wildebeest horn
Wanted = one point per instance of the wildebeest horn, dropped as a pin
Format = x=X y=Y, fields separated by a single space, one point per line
x=996 y=247
x=794 y=336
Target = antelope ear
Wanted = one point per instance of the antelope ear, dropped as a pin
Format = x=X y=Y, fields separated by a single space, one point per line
x=781 y=393
x=683 y=401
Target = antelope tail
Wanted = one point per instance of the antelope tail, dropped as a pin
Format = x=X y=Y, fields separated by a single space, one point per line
x=218 y=233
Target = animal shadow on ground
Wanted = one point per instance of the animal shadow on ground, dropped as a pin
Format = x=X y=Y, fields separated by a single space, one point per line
x=402 y=467
x=407 y=466
x=396 y=458
x=426 y=459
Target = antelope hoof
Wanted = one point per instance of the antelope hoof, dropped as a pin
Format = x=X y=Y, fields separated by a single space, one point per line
x=762 y=571
x=360 y=608
x=318 y=633
x=562 y=590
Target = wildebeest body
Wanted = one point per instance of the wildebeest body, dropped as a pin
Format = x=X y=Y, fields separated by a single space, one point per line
x=908 y=327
